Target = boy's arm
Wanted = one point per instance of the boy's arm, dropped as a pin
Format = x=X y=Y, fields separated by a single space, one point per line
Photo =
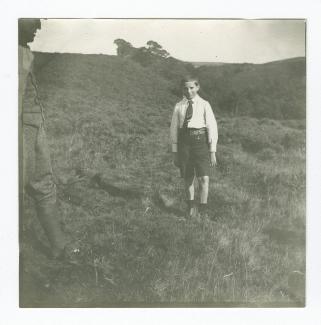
x=174 y=129
x=174 y=135
x=211 y=127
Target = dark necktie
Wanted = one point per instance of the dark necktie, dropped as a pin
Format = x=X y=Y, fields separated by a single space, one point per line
x=189 y=113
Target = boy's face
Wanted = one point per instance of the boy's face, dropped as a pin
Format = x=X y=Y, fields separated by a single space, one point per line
x=190 y=89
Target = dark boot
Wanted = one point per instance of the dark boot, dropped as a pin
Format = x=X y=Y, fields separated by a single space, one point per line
x=47 y=215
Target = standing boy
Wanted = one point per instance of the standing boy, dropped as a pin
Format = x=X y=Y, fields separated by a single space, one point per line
x=194 y=138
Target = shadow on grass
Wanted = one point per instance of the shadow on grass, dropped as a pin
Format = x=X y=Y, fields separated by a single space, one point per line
x=127 y=193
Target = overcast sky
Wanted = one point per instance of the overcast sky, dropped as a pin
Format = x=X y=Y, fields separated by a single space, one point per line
x=255 y=41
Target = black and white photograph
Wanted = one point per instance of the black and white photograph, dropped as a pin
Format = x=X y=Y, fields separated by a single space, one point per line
x=162 y=162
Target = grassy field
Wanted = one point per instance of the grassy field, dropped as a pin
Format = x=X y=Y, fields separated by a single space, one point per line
x=121 y=200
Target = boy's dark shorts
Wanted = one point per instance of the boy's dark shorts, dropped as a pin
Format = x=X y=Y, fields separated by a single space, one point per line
x=193 y=155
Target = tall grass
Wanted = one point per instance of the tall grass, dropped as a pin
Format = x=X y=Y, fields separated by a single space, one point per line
x=132 y=250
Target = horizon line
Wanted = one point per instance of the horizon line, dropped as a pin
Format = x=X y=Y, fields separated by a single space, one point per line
x=191 y=62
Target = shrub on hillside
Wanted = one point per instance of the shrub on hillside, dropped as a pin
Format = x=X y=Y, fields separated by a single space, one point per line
x=275 y=90
x=295 y=124
x=255 y=135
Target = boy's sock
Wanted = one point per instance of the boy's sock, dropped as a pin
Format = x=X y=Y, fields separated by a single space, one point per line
x=191 y=208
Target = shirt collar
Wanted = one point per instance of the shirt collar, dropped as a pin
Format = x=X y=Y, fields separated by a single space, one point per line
x=195 y=99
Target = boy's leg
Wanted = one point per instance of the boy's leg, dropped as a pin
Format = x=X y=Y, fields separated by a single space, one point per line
x=203 y=182
x=203 y=185
x=187 y=172
x=190 y=194
x=189 y=187
x=202 y=168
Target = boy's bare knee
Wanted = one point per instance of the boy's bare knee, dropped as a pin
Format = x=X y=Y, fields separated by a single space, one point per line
x=203 y=180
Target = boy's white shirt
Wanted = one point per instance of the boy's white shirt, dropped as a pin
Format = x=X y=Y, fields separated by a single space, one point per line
x=203 y=117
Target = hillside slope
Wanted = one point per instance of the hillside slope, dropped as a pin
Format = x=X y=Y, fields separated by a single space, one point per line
x=274 y=90
x=122 y=200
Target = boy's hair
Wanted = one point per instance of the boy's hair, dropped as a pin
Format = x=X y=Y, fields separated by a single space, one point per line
x=189 y=78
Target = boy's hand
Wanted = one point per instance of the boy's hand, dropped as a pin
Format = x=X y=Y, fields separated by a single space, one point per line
x=175 y=159
x=212 y=159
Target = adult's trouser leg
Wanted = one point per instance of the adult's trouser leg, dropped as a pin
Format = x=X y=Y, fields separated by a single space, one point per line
x=38 y=182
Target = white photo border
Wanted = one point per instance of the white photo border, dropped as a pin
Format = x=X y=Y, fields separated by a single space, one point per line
x=9 y=273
